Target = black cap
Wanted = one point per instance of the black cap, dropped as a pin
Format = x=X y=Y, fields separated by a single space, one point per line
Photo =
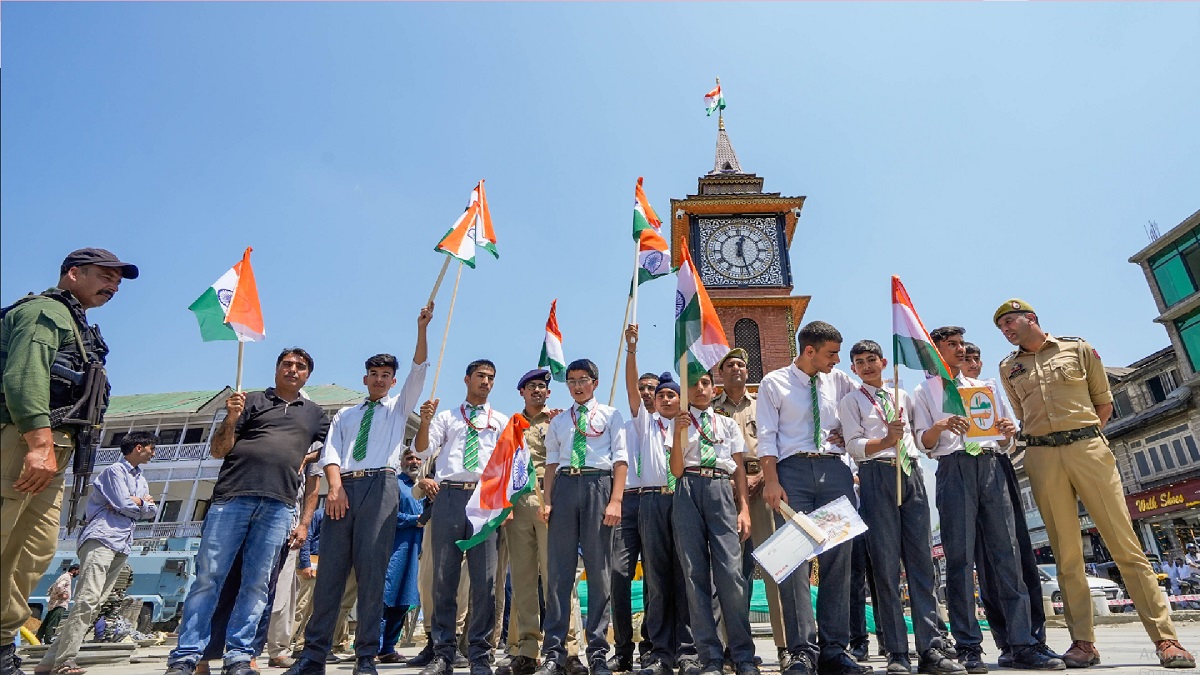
x=97 y=256
x=534 y=375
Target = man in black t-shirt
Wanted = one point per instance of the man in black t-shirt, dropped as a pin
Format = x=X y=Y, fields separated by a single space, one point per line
x=263 y=441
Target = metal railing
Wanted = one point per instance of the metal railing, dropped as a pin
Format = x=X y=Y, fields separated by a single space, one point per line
x=148 y=531
x=162 y=453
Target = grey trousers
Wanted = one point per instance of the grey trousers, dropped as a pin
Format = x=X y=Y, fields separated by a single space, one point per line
x=361 y=540
x=664 y=588
x=627 y=548
x=704 y=516
x=992 y=607
x=812 y=482
x=577 y=527
x=895 y=536
x=99 y=567
x=973 y=501
x=450 y=524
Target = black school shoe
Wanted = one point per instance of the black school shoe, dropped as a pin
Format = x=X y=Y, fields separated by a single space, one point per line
x=620 y=663
x=842 y=664
x=1030 y=657
x=423 y=657
x=971 y=658
x=305 y=666
x=934 y=662
x=898 y=664
x=438 y=666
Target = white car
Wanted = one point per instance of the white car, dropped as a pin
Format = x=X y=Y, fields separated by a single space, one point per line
x=1049 y=575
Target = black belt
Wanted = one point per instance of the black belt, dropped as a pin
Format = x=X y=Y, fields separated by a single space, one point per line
x=890 y=461
x=458 y=485
x=982 y=451
x=706 y=472
x=660 y=490
x=753 y=467
x=363 y=473
x=1062 y=437
x=815 y=455
x=633 y=491
x=584 y=471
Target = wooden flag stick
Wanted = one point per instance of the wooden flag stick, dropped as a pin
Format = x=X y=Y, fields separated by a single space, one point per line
x=900 y=443
x=807 y=524
x=634 y=291
x=241 y=356
x=450 y=313
x=438 y=284
x=612 y=393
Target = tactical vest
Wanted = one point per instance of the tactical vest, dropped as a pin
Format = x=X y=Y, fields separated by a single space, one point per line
x=68 y=372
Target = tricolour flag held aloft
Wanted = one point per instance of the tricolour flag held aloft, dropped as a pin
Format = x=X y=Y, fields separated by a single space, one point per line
x=713 y=100
x=698 y=331
x=229 y=309
x=552 y=357
x=508 y=475
x=644 y=216
x=473 y=228
x=912 y=347
x=653 y=258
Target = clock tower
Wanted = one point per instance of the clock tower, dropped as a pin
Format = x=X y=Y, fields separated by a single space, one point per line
x=738 y=237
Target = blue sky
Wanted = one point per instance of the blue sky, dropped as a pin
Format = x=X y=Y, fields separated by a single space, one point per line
x=980 y=151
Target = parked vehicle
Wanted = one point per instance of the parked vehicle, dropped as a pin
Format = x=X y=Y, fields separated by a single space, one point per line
x=1049 y=575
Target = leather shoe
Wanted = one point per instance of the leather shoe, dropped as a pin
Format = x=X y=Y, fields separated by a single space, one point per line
x=713 y=668
x=438 y=666
x=1005 y=660
x=365 y=665
x=391 y=657
x=423 y=657
x=841 y=664
x=517 y=665
x=305 y=666
x=600 y=667
x=177 y=668
x=971 y=658
x=460 y=660
x=238 y=668
x=1171 y=654
x=861 y=652
x=690 y=666
x=1081 y=655
x=550 y=667
x=747 y=668
x=619 y=663
x=575 y=666
x=934 y=662
x=481 y=667
x=799 y=664
x=656 y=667
x=1030 y=657
x=898 y=664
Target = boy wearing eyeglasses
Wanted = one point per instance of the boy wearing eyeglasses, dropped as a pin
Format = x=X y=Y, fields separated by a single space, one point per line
x=585 y=482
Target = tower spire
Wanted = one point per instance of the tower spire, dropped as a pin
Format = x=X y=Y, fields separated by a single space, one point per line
x=726 y=160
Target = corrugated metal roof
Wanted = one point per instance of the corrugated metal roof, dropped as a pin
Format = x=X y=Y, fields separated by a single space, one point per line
x=184 y=402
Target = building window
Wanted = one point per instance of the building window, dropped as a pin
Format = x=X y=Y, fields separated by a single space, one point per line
x=745 y=335
x=194 y=435
x=1166 y=455
x=115 y=441
x=1176 y=268
x=201 y=509
x=1179 y=452
x=1155 y=460
x=1193 y=451
x=1122 y=406
x=170 y=511
x=1160 y=385
x=169 y=436
x=1189 y=333
x=1142 y=466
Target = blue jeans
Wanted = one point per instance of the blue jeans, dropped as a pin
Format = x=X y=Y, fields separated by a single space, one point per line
x=257 y=526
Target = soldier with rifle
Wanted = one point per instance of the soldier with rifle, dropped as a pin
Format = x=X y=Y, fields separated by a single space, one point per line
x=54 y=394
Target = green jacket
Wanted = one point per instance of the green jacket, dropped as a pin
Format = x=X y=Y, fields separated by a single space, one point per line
x=30 y=336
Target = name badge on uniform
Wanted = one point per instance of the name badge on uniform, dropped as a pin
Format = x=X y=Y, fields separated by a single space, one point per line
x=1016 y=370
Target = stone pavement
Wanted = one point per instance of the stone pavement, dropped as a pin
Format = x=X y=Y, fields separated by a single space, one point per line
x=1124 y=650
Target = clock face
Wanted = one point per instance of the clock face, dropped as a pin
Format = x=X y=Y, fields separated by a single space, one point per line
x=740 y=251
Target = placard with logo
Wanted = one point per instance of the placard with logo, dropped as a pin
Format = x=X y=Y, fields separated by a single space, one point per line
x=982 y=414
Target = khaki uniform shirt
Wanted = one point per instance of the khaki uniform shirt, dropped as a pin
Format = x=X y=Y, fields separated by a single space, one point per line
x=1056 y=388
x=535 y=440
x=744 y=414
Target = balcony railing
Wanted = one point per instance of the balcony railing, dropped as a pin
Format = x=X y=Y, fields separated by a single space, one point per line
x=149 y=531
x=162 y=453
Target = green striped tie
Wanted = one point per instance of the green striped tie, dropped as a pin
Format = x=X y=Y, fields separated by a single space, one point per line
x=901 y=450
x=816 y=404
x=579 y=443
x=364 y=432
x=708 y=455
x=973 y=448
x=471 y=450
x=670 y=476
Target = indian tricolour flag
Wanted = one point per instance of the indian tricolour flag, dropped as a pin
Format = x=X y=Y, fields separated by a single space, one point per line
x=229 y=309
x=653 y=258
x=713 y=100
x=698 y=331
x=473 y=228
x=912 y=347
x=508 y=475
x=552 y=358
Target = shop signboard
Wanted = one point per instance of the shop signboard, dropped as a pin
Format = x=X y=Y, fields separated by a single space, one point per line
x=1175 y=497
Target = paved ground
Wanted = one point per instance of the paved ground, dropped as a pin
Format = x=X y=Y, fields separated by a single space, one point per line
x=1124 y=648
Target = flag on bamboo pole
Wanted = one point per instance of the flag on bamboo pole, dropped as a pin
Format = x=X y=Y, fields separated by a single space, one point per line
x=912 y=346
x=229 y=309
x=713 y=100
x=653 y=258
x=508 y=475
x=473 y=228
x=698 y=331
x=552 y=357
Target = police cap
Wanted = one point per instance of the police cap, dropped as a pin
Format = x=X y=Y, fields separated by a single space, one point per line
x=1010 y=306
x=535 y=375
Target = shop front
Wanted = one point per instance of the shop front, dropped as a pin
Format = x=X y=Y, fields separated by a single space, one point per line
x=1167 y=518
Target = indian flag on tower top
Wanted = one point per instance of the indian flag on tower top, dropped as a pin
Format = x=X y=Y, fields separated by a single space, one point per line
x=229 y=309
x=713 y=100
x=653 y=258
x=473 y=228
x=912 y=347
x=552 y=357
x=508 y=475
x=698 y=331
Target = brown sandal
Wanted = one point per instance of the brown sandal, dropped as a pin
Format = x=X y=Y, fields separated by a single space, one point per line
x=69 y=668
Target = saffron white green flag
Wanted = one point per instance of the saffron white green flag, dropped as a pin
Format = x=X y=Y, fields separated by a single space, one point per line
x=229 y=309
x=508 y=475
x=912 y=347
x=552 y=357
x=698 y=331
x=713 y=100
x=473 y=228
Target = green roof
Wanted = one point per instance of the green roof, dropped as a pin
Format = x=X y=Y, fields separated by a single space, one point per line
x=185 y=402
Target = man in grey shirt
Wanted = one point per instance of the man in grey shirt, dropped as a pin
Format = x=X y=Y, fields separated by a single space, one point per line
x=120 y=497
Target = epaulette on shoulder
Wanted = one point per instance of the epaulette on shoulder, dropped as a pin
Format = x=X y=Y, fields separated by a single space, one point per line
x=1011 y=355
x=1069 y=338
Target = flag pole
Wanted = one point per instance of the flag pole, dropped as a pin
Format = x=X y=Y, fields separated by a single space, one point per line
x=241 y=355
x=450 y=313
x=900 y=443
x=438 y=284
x=612 y=393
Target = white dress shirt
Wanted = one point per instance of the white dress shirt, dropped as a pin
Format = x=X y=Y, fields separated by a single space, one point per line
x=448 y=438
x=726 y=435
x=633 y=451
x=785 y=420
x=928 y=411
x=861 y=415
x=605 y=437
x=649 y=432
x=385 y=443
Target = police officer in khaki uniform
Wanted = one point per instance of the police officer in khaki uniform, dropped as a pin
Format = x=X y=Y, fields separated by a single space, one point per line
x=52 y=362
x=1059 y=391
x=738 y=403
